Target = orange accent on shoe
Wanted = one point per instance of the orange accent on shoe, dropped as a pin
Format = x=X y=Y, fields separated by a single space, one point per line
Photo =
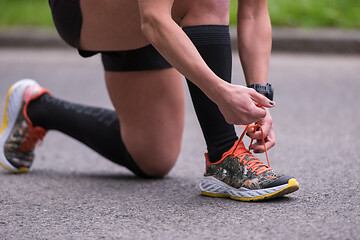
x=206 y=160
x=29 y=96
x=239 y=150
x=33 y=135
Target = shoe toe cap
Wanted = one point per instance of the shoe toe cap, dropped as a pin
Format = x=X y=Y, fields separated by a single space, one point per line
x=280 y=181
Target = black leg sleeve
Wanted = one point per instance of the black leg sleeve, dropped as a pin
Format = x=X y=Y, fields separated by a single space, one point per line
x=213 y=43
x=98 y=128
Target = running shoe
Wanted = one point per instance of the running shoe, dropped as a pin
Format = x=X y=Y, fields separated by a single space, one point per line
x=18 y=136
x=241 y=176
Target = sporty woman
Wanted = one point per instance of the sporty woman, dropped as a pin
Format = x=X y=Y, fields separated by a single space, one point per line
x=146 y=47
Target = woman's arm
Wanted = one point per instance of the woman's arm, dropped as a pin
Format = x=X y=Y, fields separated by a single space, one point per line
x=254 y=39
x=254 y=44
x=169 y=39
x=235 y=102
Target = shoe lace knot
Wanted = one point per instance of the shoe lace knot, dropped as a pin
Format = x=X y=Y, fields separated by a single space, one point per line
x=246 y=157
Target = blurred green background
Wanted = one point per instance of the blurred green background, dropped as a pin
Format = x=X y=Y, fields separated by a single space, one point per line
x=284 y=13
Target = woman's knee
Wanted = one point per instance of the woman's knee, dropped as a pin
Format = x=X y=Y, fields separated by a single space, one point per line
x=150 y=108
x=158 y=162
x=155 y=144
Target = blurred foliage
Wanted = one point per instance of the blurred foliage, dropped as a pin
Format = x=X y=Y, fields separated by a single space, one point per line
x=310 y=13
x=25 y=13
x=286 y=13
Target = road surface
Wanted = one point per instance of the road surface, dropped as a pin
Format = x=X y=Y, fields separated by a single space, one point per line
x=73 y=193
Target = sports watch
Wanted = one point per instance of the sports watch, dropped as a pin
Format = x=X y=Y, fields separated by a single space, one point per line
x=266 y=89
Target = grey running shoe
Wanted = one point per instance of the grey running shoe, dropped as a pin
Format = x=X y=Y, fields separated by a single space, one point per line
x=18 y=136
x=241 y=176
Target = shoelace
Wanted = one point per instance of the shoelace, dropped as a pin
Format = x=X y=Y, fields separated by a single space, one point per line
x=254 y=162
x=31 y=138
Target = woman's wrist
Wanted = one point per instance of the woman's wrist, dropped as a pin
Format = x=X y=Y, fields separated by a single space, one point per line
x=217 y=91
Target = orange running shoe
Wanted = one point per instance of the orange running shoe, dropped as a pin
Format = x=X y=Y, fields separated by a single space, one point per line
x=18 y=136
x=241 y=176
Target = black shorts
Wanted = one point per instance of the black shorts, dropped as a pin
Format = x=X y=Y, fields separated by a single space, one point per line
x=68 y=21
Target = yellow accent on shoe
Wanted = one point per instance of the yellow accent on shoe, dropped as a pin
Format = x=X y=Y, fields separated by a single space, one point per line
x=215 y=194
x=291 y=187
x=20 y=170
x=3 y=126
x=5 y=119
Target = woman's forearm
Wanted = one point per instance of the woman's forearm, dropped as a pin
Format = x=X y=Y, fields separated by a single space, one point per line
x=238 y=104
x=171 y=41
x=254 y=40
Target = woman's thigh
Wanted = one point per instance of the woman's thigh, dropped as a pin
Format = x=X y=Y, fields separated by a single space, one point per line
x=150 y=107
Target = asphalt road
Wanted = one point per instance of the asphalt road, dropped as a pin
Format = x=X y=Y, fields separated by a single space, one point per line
x=73 y=193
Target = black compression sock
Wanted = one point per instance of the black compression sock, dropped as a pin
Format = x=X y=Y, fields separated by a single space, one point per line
x=98 y=128
x=213 y=43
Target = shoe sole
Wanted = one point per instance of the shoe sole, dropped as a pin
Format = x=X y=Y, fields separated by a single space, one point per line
x=213 y=187
x=12 y=109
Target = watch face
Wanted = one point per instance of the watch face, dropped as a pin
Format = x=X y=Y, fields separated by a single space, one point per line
x=266 y=89
x=262 y=88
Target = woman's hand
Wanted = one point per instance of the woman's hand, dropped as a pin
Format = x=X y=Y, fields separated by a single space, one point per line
x=268 y=131
x=241 y=105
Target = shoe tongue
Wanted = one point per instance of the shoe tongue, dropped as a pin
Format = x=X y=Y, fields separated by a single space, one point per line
x=238 y=147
